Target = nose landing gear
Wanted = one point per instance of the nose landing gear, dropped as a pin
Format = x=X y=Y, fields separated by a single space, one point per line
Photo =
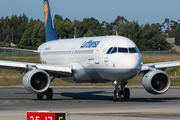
x=122 y=91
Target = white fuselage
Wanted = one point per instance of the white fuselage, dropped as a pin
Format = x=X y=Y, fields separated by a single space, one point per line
x=94 y=59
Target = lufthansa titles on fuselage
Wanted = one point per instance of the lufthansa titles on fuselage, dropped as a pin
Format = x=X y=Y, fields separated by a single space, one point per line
x=90 y=44
x=47 y=48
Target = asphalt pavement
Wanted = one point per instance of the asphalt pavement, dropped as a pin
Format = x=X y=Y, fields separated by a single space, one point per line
x=92 y=102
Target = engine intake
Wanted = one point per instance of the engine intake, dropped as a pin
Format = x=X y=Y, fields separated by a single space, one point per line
x=156 y=82
x=36 y=81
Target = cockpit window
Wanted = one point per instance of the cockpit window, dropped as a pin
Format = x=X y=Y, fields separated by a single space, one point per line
x=109 y=51
x=138 y=50
x=122 y=50
x=132 y=50
x=114 y=50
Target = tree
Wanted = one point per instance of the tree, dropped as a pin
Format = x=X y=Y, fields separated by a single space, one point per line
x=92 y=24
x=120 y=20
x=152 y=38
x=37 y=37
x=89 y=34
x=1 y=28
x=23 y=22
x=6 y=29
x=175 y=28
x=60 y=28
x=26 y=42
x=29 y=34
x=67 y=20
x=41 y=36
x=109 y=28
x=131 y=30
x=7 y=41
x=166 y=25
x=58 y=17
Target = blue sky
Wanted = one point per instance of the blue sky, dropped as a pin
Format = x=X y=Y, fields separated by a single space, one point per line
x=144 y=11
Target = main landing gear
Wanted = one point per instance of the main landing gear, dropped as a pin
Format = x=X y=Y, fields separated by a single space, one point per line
x=48 y=93
x=122 y=91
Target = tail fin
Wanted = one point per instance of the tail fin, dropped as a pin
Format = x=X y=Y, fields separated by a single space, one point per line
x=49 y=25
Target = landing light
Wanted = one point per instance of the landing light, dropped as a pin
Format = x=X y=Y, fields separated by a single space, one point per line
x=115 y=82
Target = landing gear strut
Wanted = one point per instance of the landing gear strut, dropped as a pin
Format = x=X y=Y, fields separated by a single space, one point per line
x=48 y=93
x=122 y=91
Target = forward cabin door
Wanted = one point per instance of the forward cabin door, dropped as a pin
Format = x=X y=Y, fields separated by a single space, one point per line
x=98 y=51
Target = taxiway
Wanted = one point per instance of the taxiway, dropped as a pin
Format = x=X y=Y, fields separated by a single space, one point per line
x=92 y=102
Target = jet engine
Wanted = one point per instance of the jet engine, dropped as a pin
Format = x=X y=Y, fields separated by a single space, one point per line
x=156 y=82
x=36 y=81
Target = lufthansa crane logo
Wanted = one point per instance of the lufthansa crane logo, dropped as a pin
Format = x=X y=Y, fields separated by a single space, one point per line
x=106 y=61
x=45 y=12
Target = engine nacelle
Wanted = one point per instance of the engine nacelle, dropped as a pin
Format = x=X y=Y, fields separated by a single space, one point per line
x=36 y=81
x=156 y=82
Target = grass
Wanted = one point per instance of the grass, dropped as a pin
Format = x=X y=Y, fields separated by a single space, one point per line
x=13 y=77
x=22 y=59
x=152 y=59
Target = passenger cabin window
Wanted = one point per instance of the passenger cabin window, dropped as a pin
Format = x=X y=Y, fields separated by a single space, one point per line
x=122 y=50
x=132 y=50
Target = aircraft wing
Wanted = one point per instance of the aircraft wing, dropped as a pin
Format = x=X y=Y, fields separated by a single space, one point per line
x=23 y=50
x=24 y=67
x=160 y=65
x=52 y=70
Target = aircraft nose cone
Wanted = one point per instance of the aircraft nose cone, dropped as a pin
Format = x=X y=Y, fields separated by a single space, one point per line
x=132 y=61
x=132 y=64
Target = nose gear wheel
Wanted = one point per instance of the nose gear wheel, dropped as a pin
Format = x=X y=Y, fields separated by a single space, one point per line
x=122 y=91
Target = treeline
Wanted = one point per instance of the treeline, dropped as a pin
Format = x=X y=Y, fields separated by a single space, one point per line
x=29 y=34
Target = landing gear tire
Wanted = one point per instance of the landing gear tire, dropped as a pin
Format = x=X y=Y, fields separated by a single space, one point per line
x=40 y=96
x=126 y=93
x=49 y=93
x=114 y=96
x=122 y=91
x=120 y=96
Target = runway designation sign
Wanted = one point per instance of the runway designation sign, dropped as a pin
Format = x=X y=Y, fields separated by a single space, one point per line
x=39 y=115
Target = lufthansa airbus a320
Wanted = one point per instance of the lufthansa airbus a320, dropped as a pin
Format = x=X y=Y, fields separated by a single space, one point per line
x=101 y=59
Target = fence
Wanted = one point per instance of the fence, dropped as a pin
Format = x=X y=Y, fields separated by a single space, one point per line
x=160 y=53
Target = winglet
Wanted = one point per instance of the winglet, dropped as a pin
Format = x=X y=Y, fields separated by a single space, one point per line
x=49 y=25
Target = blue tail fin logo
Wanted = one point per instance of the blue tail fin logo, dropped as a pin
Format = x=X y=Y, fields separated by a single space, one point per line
x=49 y=25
